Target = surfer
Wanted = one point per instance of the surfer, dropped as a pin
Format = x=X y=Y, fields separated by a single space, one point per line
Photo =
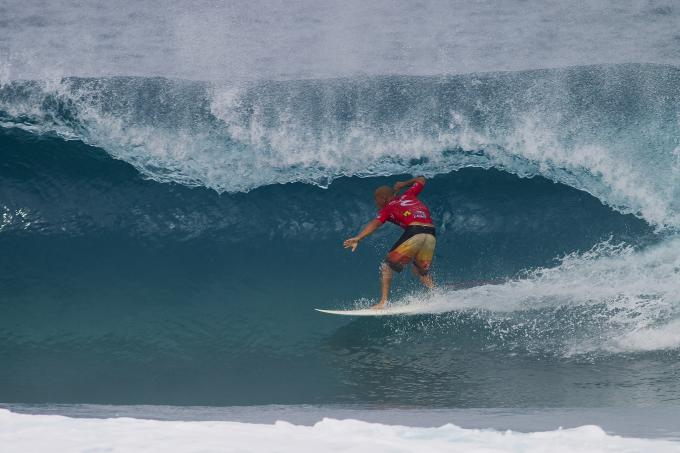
x=417 y=243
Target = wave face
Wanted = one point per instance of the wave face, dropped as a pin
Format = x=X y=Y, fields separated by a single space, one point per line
x=165 y=241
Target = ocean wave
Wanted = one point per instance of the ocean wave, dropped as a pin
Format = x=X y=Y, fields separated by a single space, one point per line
x=118 y=253
x=608 y=130
x=65 y=188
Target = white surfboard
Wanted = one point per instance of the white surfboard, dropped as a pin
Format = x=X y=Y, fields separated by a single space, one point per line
x=388 y=311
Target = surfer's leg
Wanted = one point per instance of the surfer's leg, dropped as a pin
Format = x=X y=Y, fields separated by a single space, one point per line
x=385 y=282
x=400 y=255
x=423 y=259
x=426 y=278
x=394 y=262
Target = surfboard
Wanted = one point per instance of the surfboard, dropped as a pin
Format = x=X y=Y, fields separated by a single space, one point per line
x=389 y=311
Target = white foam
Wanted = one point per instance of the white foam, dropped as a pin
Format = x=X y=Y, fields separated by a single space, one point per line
x=281 y=134
x=21 y=433
x=633 y=296
x=665 y=337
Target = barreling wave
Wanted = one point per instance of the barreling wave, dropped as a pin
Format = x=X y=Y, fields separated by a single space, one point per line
x=611 y=131
x=118 y=254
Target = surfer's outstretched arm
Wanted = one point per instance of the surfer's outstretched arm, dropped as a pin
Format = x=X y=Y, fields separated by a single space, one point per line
x=367 y=231
x=401 y=184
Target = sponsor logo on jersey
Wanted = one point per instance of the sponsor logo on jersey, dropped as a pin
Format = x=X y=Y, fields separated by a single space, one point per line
x=407 y=202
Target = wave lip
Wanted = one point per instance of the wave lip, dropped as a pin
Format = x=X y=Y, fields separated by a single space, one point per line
x=608 y=130
x=48 y=433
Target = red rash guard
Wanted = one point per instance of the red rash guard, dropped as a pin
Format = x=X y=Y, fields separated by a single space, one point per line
x=406 y=209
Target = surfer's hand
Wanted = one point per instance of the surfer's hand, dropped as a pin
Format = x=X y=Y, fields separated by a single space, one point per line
x=352 y=243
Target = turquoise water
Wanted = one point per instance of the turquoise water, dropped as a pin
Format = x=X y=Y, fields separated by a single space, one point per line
x=123 y=290
x=176 y=183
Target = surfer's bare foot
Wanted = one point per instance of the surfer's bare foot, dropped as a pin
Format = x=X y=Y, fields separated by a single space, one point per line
x=380 y=305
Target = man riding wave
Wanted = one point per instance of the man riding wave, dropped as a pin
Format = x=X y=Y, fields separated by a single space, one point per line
x=415 y=245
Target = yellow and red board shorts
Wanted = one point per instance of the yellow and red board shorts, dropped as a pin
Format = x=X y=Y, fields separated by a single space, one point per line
x=417 y=245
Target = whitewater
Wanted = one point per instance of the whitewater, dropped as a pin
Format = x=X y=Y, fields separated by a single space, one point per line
x=176 y=182
x=49 y=432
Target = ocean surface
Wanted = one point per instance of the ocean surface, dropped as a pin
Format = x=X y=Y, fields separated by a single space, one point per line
x=176 y=183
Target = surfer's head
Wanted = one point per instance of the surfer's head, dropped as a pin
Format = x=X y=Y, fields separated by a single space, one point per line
x=382 y=195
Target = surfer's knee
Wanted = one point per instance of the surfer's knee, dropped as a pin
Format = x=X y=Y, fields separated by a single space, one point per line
x=393 y=264
x=421 y=268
